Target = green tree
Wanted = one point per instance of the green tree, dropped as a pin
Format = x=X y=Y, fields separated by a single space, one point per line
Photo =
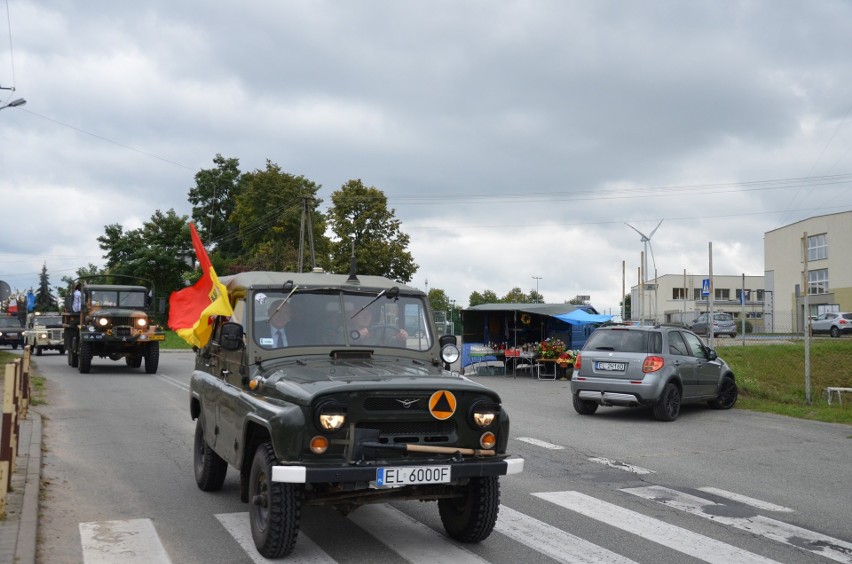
x=515 y=296
x=160 y=252
x=68 y=281
x=213 y=200
x=360 y=214
x=438 y=300
x=535 y=297
x=486 y=297
x=44 y=300
x=626 y=303
x=268 y=216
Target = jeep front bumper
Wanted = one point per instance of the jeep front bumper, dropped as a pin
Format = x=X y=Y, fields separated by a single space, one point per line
x=458 y=471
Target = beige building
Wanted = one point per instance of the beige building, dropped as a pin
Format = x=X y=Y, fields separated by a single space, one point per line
x=829 y=268
x=679 y=298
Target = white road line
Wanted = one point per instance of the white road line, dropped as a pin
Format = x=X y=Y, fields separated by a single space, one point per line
x=172 y=381
x=305 y=552
x=666 y=534
x=408 y=537
x=765 y=505
x=127 y=541
x=621 y=465
x=540 y=443
x=552 y=541
x=818 y=543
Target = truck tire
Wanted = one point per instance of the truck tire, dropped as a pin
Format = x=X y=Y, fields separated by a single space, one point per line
x=38 y=351
x=133 y=361
x=85 y=361
x=471 y=518
x=210 y=468
x=61 y=350
x=152 y=357
x=275 y=508
x=73 y=356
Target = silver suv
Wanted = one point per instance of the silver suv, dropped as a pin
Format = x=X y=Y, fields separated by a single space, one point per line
x=723 y=324
x=835 y=323
x=660 y=367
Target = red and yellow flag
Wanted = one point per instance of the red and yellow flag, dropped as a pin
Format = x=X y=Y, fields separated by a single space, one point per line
x=190 y=309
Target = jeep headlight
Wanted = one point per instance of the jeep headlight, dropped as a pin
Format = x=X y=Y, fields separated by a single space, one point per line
x=331 y=416
x=141 y=322
x=483 y=414
x=103 y=321
x=449 y=353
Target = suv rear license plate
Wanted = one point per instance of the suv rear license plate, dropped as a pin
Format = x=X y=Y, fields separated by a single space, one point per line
x=408 y=475
x=610 y=366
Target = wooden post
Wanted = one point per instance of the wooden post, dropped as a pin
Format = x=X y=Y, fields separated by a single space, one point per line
x=8 y=436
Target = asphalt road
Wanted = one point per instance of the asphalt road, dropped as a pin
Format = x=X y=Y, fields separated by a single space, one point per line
x=615 y=486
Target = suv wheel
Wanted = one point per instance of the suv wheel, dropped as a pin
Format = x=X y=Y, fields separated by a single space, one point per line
x=585 y=407
x=667 y=407
x=727 y=394
x=835 y=332
x=210 y=468
x=275 y=508
x=471 y=518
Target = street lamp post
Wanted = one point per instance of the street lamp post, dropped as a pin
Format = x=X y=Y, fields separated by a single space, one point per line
x=14 y=103
x=537 y=278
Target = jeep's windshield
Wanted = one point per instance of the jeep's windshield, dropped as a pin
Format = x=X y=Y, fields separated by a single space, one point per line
x=9 y=322
x=46 y=320
x=340 y=319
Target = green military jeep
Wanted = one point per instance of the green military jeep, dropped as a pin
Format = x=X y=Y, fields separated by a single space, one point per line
x=353 y=404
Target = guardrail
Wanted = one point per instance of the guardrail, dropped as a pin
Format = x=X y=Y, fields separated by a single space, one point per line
x=16 y=400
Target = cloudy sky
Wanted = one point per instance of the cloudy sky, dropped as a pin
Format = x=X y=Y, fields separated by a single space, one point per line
x=514 y=139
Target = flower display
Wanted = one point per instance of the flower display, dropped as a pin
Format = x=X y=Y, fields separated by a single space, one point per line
x=566 y=359
x=551 y=348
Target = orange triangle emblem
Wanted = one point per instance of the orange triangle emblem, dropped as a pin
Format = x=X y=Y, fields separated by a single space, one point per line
x=442 y=404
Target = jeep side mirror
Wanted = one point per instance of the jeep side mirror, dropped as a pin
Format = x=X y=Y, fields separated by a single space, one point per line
x=231 y=336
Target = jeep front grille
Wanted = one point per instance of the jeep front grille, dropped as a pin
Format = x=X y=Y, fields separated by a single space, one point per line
x=406 y=403
x=392 y=432
x=122 y=331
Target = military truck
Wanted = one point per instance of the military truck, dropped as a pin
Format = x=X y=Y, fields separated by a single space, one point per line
x=44 y=332
x=347 y=412
x=114 y=322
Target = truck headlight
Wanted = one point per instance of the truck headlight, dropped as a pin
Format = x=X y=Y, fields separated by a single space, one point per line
x=103 y=321
x=331 y=416
x=483 y=414
x=449 y=353
x=141 y=322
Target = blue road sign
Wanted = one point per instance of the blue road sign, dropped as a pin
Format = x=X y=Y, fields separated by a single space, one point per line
x=705 y=287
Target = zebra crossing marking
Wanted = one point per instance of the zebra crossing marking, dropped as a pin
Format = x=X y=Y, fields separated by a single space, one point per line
x=408 y=537
x=127 y=541
x=791 y=535
x=552 y=541
x=765 y=505
x=540 y=443
x=660 y=532
x=305 y=552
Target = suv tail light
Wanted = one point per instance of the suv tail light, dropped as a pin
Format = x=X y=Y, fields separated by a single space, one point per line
x=577 y=361
x=652 y=364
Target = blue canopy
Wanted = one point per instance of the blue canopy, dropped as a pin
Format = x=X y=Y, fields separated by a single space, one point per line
x=582 y=317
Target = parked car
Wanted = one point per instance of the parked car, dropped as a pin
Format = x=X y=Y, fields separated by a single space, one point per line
x=723 y=324
x=11 y=331
x=661 y=367
x=835 y=323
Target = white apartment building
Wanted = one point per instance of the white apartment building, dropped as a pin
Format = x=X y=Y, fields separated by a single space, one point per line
x=826 y=240
x=679 y=298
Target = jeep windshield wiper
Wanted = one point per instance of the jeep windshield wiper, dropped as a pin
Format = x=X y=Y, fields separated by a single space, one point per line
x=285 y=300
x=391 y=293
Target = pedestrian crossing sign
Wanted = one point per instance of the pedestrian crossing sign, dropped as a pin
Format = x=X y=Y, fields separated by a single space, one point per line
x=705 y=287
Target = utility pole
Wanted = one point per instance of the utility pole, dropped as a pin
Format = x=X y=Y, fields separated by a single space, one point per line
x=537 y=295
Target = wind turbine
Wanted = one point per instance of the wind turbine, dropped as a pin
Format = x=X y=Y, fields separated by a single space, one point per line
x=646 y=239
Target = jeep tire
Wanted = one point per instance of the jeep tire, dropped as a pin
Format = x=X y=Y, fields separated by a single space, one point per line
x=275 y=508
x=471 y=518
x=210 y=468
x=38 y=351
x=152 y=357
